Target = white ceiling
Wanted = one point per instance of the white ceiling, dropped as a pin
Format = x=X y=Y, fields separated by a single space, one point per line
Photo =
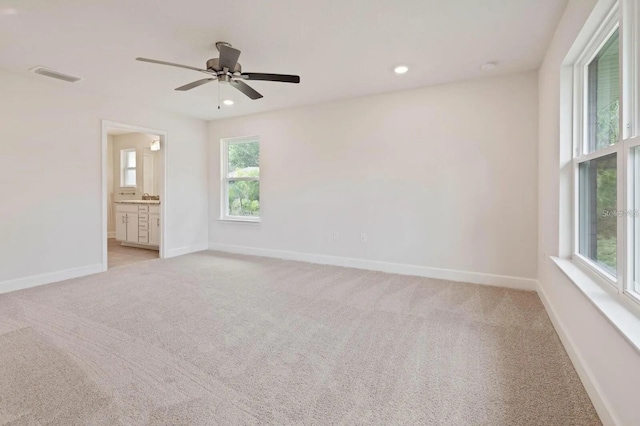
x=340 y=48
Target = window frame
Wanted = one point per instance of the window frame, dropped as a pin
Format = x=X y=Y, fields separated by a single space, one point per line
x=124 y=167
x=225 y=179
x=621 y=17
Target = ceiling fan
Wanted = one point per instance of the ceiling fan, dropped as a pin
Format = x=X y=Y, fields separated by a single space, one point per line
x=226 y=69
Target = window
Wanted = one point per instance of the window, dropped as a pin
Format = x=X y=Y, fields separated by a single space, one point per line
x=603 y=94
x=607 y=155
x=240 y=179
x=128 y=168
x=598 y=229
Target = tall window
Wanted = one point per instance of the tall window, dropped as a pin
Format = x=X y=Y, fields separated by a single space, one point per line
x=128 y=168
x=598 y=171
x=607 y=155
x=240 y=179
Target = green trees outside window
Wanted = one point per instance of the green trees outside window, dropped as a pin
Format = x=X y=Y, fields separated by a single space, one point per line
x=243 y=179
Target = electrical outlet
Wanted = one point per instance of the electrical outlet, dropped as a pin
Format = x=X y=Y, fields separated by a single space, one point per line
x=363 y=238
x=336 y=236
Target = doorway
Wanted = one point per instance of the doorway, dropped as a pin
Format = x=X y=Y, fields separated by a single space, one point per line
x=134 y=192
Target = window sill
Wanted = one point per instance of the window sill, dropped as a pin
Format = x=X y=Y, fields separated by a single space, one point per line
x=239 y=221
x=619 y=315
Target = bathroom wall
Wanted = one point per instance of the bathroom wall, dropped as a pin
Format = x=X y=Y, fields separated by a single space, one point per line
x=141 y=142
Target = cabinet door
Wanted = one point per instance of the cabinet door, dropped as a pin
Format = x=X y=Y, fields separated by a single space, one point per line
x=132 y=227
x=121 y=226
x=154 y=229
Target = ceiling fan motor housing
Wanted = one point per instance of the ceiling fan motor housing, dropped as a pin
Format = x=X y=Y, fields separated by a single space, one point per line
x=214 y=65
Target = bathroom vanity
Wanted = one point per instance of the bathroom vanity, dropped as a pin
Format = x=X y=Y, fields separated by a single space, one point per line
x=138 y=223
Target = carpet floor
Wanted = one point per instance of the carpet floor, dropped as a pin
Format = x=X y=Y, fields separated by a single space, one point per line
x=212 y=338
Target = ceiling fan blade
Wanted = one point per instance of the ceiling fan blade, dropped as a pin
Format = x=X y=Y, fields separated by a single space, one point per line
x=283 y=78
x=228 y=57
x=246 y=89
x=195 y=84
x=171 y=64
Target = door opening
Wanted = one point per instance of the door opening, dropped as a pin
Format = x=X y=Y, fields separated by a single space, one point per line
x=134 y=193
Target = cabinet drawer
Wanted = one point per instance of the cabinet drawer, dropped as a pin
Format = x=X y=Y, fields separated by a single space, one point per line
x=143 y=225
x=144 y=209
x=126 y=208
x=143 y=239
x=143 y=217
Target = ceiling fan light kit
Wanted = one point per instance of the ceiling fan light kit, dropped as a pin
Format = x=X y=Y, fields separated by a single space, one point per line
x=227 y=70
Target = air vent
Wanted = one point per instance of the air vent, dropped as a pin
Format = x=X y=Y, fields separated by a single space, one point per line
x=47 y=72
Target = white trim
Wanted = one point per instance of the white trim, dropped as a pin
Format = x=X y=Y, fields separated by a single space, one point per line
x=518 y=283
x=611 y=149
x=604 y=278
x=236 y=220
x=630 y=103
x=49 y=277
x=591 y=385
x=618 y=311
x=164 y=183
x=186 y=250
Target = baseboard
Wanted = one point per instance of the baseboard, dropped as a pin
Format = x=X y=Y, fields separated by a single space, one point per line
x=111 y=234
x=48 y=278
x=394 y=268
x=186 y=250
x=600 y=403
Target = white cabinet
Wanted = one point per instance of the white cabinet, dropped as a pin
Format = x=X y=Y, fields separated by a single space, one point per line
x=127 y=223
x=121 y=225
x=138 y=224
x=132 y=228
x=154 y=229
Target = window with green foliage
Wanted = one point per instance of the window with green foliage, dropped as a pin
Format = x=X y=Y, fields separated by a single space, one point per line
x=598 y=203
x=241 y=178
x=597 y=158
x=606 y=165
x=603 y=96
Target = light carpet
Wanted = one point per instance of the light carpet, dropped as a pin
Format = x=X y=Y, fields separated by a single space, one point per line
x=211 y=338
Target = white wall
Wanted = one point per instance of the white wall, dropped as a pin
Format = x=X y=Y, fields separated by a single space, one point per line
x=612 y=365
x=442 y=177
x=50 y=177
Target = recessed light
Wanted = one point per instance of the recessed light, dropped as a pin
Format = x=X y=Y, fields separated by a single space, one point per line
x=8 y=11
x=401 y=69
x=489 y=66
x=228 y=102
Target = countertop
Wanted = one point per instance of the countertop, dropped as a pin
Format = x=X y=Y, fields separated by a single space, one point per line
x=137 y=202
